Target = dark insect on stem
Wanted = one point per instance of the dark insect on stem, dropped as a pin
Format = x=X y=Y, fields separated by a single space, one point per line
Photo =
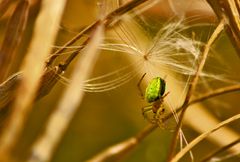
x=9 y=87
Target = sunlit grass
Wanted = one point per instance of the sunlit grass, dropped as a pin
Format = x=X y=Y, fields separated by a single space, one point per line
x=133 y=44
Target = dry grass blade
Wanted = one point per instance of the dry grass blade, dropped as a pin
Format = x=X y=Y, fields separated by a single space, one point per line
x=238 y=5
x=203 y=136
x=9 y=86
x=4 y=4
x=13 y=37
x=59 y=121
x=108 y=20
x=8 y=89
x=232 y=11
x=48 y=80
x=216 y=92
x=117 y=151
x=210 y=156
x=193 y=84
x=229 y=10
x=32 y=67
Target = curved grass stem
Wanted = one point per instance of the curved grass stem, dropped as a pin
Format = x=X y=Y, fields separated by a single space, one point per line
x=203 y=136
x=118 y=150
x=215 y=153
x=112 y=17
x=68 y=103
x=193 y=84
x=32 y=67
x=230 y=11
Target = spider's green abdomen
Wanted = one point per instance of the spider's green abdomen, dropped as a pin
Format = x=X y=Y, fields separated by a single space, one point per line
x=155 y=89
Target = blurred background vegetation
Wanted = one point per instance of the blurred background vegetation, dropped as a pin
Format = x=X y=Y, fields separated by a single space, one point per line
x=106 y=118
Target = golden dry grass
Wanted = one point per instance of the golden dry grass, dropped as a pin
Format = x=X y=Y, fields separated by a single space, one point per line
x=119 y=41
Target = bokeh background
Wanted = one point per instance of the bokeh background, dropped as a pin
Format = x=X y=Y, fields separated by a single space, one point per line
x=106 y=118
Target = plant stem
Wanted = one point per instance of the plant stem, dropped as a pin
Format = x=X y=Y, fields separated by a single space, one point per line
x=193 y=84
x=210 y=156
x=216 y=92
x=68 y=103
x=120 y=149
x=130 y=143
x=229 y=10
x=203 y=136
x=4 y=5
x=112 y=17
x=32 y=67
x=13 y=36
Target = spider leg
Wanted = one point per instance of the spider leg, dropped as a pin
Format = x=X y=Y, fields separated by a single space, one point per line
x=139 y=85
x=159 y=116
x=146 y=109
x=165 y=95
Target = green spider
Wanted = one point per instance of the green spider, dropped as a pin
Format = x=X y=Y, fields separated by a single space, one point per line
x=154 y=95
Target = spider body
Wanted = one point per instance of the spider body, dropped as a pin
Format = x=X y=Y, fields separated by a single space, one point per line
x=155 y=89
x=154 y=95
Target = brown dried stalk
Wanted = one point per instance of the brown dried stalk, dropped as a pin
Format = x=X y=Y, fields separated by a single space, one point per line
x=203 y=136
x=8 y=89
x=117 y=151
x=216 y=92
x=108 y=21
x=44 y=147
x=222 y=149
x=193 y=84
x=4 y=5
x=32 y=68
x=47 y=82
x=237 y=2
x=7 y=92
x=229 y=10
x=13 y=37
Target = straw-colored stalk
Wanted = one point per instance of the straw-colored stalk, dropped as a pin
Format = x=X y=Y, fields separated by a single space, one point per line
x=45 y=31
x=118 y=150
x=60 y=119
x=203 y=136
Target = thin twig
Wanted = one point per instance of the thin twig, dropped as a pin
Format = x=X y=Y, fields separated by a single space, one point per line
x=216 y=92
x=238 y=5
x=209 y=95
x=4 y=5
x=119 y=149
x=44 y=147
x=233 y=27
x=203 y=136
x=32 y=67
x=47 y=82
x=222 y=149
x=8 y=88
x=13 y=36
x=233 y=14
x=193 y=84
x=4 y=100
x=107 y=21
x=229 y=10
